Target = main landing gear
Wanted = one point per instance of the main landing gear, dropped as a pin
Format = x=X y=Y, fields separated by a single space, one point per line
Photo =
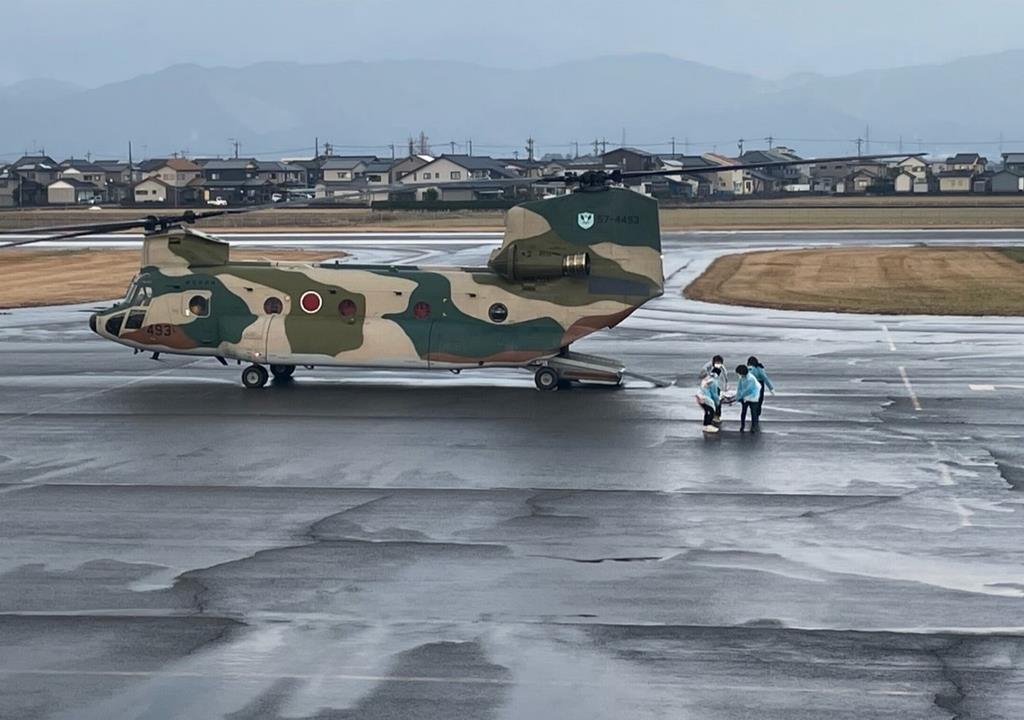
x=546 y=379
x=282 y=372
x=255 y=376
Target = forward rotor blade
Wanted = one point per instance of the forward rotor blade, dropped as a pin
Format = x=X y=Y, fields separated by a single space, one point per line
x=44 y=238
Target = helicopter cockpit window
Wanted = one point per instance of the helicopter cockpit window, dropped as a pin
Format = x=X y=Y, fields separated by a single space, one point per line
x=139 y=293
x=134 y=321
x=199 y=306
x=113 y=325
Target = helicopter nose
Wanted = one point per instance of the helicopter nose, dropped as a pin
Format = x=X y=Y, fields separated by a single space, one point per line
x=92 y=322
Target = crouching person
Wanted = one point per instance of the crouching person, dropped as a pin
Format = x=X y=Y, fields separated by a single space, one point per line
x=748 y=391
x=709 y=398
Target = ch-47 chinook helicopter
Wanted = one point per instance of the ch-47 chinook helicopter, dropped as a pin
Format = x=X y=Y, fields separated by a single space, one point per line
x=567 y=267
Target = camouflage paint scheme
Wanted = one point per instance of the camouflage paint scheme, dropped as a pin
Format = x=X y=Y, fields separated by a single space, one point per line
x=402 y=316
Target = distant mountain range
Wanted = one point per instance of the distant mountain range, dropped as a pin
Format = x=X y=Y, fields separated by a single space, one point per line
x=277 y=109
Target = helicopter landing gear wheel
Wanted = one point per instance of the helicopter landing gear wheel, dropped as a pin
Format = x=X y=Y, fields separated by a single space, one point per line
x=546 y=379
x=255 y=376
x=282 y=372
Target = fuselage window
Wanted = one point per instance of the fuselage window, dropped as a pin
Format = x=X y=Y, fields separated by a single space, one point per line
x=347 y=308
x=113 y=325
x=273 y=306
x=421 y=310
x=199 y=306
x=497 y=312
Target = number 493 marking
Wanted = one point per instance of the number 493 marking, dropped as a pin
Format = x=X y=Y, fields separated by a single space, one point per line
x=160 y=329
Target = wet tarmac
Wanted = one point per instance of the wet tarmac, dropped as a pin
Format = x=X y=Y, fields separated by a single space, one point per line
x=418 y=545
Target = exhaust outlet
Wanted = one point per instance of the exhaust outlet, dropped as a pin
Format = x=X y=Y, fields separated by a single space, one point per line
x=577 y=265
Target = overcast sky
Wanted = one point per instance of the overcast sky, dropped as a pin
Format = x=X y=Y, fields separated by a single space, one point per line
x=99 y=41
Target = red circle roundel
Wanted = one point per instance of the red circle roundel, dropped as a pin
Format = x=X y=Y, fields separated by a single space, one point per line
x=311 y=301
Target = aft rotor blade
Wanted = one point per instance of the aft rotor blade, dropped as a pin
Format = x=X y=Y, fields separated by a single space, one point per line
x=758 y=165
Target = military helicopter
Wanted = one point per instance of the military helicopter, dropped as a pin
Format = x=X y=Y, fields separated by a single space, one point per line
x=567 y=267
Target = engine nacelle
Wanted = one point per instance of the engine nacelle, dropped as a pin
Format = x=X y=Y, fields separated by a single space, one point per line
x=515 y=262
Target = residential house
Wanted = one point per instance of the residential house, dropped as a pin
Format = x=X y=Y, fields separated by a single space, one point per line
x=785 y=175
x=35 y=173
x=151 y=190
x=120 y=177
x=71 y=191
x=378 y=171
x=178 y=172
x=956 y=181
x=83 y=170
x=235 y=180
x=839 y=177
x=629 y=159
x=342 y=168
x=912 y=175
x=408 y=165
x=728 y=182
x=455 y=168
x=1013 y=162
x=1007 y=181
x=966 y=162
x=281 y=174
x=8 y=187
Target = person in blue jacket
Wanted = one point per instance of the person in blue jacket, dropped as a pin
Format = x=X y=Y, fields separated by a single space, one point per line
x=757 y=370
x=748 y=391
x=709 y=398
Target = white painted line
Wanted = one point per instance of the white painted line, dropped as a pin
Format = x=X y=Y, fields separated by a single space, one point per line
x=910 y=389
x=888 y=338
x=982 y=388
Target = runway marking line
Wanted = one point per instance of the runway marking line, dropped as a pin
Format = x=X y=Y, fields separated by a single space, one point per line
x=910 y=388
x=888 y=338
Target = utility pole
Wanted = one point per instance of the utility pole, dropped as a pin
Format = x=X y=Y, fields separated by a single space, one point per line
x=771 y=142
x=673 y=146
x=316 y=147
x=236 y=145
x=412 y=146
x=469 y=147
x=328 y=149
x=452 y=144
x=596 y=145
x=576 y=143
x=424 y=143
x=604 y=145
x=529 y=148
x=859 y=142
x=392 y=146
x=131 y=166
x=740 y=145
x=867 y=138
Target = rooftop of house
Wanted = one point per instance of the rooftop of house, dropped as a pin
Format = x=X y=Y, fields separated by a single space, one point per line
x=345 y=162
x=230 y=164
x=632 y=150
x=80 y=165
x=73 y=182
x=35 y=162
x=180 y=165
x=965 y=159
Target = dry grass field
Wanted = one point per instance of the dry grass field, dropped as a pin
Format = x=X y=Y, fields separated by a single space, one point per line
x=54 y=277
x=925 y=280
